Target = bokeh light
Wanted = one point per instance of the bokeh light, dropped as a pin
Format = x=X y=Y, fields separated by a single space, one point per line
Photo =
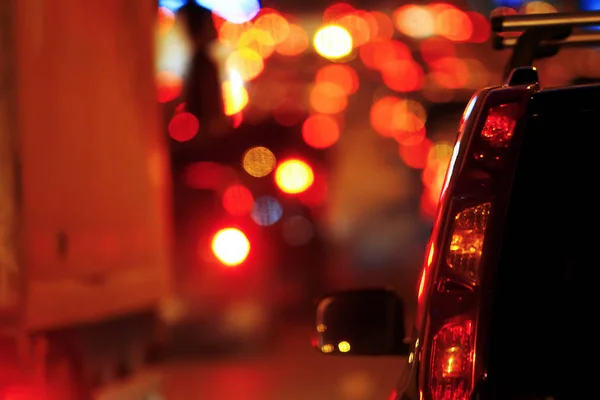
x=258 y=161
x=414 y=21
x=384 y=24
x=246 y=62
x=328 y=98
x=415 y=156
x=320 y=131
x=266 y=211
x=402 y=75
x=231 y=246
x=333 y=42
x=336 y=11
x=235 y=95
x=258 y=40
x=342 y=75
x=237 y=200
x=274 y=24
x=375 y=55
x=183 y=127
x=294 y=176
x=168 y=85
x=172 y=5
x=238 y=11
x=358 y=27
x=295 y=43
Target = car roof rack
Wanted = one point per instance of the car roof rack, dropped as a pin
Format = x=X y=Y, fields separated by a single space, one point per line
x=542 y=35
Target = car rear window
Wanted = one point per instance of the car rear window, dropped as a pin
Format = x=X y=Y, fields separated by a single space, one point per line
x=551 y=235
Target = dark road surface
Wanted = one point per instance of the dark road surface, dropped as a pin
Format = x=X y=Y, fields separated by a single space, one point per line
x=292 y=371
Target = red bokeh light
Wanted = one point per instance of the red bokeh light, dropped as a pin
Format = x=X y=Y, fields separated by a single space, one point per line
x=183 y=126
x=237 y=200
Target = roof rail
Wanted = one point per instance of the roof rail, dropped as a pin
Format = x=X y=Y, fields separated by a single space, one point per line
x=518 y=23
x=542 y=35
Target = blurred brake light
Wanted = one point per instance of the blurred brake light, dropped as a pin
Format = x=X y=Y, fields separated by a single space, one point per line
x=452 y=361
x=231 y=246
x=500 y=124
x=466 y=244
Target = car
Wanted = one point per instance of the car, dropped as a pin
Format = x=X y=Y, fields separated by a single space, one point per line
x=505 y=307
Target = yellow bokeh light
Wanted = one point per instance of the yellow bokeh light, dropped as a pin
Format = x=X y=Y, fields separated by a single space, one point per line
x=414 y=21
x=538 y=7
x=333 y=42
x=327 y=348
x=258 y=161
x=247 y=62
x=231 y=246
x=294 y=176
x=258 y=40
x=235 y=95
x=344 y=346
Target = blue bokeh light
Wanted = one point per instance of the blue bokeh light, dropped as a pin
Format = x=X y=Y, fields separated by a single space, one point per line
x=509 y=3
x=589 y=5
x=172 y=5
x=266 y=211
x=236 y=11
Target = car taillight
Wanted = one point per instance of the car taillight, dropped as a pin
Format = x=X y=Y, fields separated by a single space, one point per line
x=466 y=244
x=496 y=133
x=452 y=361
x=500 y=124
x=472 y=195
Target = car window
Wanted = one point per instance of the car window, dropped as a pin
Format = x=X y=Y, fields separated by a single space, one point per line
x=547 y=252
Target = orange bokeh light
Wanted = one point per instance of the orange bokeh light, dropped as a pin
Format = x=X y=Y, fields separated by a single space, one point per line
x=434 y=48
x=450 y=72
x=274 y=24
x=454 y=24
x=403 y=120
x=295 y=43
x=402 y=75
x=375 y=55
x=246 y=62
x=336 y=11
x=328 y=98
x=385 y=26
x=259 y=41
x=230 y=33
x=357 y=26
x=342 y=75
x=320 y=131
x=481 y=27
x=416 y=156
x=165 y=20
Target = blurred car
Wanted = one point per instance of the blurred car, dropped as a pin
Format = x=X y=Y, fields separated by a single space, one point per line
x=504 y=295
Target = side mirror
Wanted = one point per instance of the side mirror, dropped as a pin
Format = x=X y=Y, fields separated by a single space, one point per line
x=361 y=322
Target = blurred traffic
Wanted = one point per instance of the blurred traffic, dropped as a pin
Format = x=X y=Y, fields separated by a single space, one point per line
x=325 y=166
x=187 y=178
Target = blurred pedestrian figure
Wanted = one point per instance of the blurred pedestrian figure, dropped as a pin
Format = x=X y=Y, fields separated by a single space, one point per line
x=203 y=91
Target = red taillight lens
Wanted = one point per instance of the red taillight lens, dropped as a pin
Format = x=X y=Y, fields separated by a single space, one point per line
x=452 y=361
x=466 y=244
x=500 y=124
